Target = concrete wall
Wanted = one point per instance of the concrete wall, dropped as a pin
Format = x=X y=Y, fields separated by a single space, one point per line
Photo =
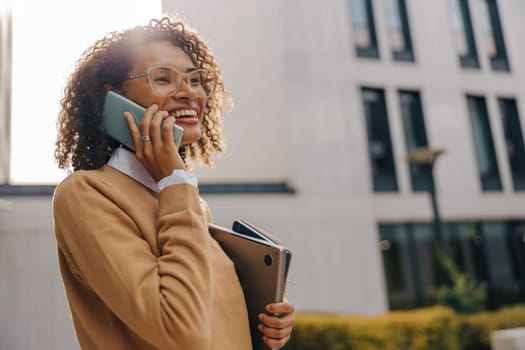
x=33 y=308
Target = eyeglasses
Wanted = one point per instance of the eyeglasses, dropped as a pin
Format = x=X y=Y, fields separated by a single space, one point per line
x=166 y=81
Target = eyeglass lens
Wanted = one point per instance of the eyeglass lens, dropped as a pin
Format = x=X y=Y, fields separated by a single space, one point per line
x=166 y=81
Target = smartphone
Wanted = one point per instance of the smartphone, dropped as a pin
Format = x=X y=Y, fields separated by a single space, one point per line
x=113 y=113
x=245 y=228
x=248 y=229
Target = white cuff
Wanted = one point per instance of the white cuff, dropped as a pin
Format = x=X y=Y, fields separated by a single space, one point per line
x=178 y=176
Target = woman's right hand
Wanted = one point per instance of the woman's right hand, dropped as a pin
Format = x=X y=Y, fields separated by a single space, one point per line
x=159 y=155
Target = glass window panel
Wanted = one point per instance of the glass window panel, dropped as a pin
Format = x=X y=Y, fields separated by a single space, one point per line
x=484 y=144
x=486 y=27
x=360 y=23
x=493 y=35
x=462 y=33
x=488 y=251
x=397 y=266
x=463 y=243
x=458 y=28
x=514 y=141
x=424 y=240
x=394 y=25
x=398 y=30
x=379 y=142
x=505 y=289
x=363 y=28
x=413 y=120
x=415 y=134
x=517 y=247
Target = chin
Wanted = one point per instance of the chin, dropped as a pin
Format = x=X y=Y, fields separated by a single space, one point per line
x=190 y=137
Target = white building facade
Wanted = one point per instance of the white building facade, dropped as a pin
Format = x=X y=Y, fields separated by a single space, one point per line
x=330 y=97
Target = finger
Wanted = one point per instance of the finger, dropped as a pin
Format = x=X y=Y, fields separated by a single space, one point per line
x=275 y=338
x=145 y=130
x=275 y=333
x=146 y=119
x=134 y=131
x=167 y=131
x=275 y=343
x=280 y=308
x=154 y=129
x=282 y=321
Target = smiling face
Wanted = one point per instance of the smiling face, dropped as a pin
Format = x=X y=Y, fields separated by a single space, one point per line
x=187 y=104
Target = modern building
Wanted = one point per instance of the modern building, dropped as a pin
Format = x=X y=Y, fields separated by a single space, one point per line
x=331 y=98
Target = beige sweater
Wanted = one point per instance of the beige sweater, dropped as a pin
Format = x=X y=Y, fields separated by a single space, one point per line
x=141 y=271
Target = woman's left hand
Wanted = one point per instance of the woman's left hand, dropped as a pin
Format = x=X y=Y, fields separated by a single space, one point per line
x=277 y=330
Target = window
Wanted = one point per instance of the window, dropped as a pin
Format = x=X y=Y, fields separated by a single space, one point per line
x=514 y=140
x=363 y=28
x=380 y=146
x=484 y=144
x=399 y=30
x=501 y=273
x=493 y=35
x=397 y=266
x=462 y=242
x=409 y=264
x=463 y=33
x=415 y=134
x=491 y=252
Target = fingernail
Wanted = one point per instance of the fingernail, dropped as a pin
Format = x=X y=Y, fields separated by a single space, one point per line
x=260 y=316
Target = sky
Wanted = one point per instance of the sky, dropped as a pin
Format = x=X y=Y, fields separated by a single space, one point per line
x=45 y=49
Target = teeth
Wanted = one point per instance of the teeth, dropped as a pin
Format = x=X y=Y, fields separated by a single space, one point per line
x=185 y=112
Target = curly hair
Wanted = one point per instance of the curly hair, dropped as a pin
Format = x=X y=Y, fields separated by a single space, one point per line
x=82 y=142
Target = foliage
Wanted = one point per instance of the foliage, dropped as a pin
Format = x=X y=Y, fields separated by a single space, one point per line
x=436 y=328
x=463 y=294
x=422 y=329
x=475 y=329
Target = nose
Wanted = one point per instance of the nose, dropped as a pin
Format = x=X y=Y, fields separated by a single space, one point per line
x=186 y=91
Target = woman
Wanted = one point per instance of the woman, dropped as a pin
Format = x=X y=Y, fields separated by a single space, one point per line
x=139 y=267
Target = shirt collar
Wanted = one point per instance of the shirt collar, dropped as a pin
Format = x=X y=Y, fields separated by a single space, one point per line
x=126 y=162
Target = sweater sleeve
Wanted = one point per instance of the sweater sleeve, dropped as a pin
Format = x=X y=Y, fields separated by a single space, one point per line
x=166 y=300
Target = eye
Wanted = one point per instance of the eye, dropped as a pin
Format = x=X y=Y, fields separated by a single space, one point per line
x=162 y=79
x=162 y=75
x=196 y=78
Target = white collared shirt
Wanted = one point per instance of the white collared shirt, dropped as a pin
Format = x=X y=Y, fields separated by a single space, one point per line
x=126 y=162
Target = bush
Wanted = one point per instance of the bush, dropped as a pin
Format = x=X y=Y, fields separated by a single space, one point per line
x=424 y=329
x=435 y=328
x=475 y=329
x=463 y=294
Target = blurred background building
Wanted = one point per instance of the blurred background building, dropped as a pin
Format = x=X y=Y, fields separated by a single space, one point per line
x=331 y=98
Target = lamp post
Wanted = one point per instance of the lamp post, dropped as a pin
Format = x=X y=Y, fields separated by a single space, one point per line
x=425 y=158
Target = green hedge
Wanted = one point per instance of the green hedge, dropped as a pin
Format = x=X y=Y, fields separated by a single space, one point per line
x=475 y=329
x=424 y=329
x=435 y=328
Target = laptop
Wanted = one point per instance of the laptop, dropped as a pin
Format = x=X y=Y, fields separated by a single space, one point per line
x=262 y=267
